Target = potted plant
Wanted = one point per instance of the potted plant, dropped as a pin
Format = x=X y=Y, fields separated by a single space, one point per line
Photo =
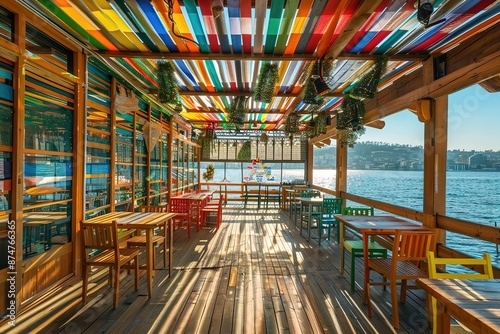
x=208 y=175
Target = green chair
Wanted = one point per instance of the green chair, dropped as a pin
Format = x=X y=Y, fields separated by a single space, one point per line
x=331 y=206
x=295 y=207
x=355 y=247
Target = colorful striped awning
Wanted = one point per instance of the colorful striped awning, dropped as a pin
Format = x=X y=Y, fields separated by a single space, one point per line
x=218 y=47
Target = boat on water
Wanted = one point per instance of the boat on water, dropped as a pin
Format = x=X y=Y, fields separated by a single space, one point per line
x=108 y=108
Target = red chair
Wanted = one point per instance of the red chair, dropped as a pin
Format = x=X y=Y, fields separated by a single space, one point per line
x=213 y=209
x=182 y=208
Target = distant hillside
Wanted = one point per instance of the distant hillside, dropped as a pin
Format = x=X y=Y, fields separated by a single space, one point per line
x=377 y=155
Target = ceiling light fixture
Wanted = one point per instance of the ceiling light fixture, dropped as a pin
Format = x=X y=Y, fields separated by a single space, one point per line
x=217 y=8
x=424 y=12
x=320 y=84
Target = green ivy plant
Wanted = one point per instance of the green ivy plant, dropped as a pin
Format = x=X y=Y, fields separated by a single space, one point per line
x=292 y=124
x=167 y=85
x=245 y=152
x=236 y=112
x=266 y=82
x=350 y=121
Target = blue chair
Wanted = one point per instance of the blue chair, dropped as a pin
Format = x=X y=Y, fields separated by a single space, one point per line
x=331 y=206
x=355 y=247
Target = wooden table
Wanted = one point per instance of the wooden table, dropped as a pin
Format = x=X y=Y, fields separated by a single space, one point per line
x=147 y=221
x=475 y=303
x=311 y=203
x=371 y=225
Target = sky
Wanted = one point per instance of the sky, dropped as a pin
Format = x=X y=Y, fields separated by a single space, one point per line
x=473 y=123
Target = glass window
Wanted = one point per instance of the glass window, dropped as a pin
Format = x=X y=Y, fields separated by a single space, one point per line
x=473 y=164
x=6 y=24
x=324 y=164
x=387 y=164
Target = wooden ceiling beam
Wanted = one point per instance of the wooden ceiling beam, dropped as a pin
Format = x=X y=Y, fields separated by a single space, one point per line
x=191 y=93
x=258 y=57
x=204 y=56
x=366 y=56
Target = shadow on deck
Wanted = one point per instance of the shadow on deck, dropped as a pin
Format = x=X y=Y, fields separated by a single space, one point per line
x=256 y=274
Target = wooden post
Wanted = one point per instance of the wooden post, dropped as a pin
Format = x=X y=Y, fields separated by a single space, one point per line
x=435 y=147
x=79 y=153
x=341 y=168
x=112 y=148
x=18 y=155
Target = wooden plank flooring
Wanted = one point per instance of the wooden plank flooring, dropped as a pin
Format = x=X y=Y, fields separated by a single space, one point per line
x=255 y=275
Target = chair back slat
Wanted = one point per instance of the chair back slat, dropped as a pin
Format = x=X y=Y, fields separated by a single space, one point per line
x=100 y=237
x=482 y=267
x=332 y=206
x=153 y=208
x=413 y=245
x=358 y=211
x=179 y=205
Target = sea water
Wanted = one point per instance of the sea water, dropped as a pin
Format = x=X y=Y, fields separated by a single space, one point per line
x=471 y=196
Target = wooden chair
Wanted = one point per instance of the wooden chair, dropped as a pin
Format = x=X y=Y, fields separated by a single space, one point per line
x=355 y=247
x=102 y=238
x=483 y=264
x=409 y=248
x=159 y=237
x=331 y=206
x=181 y=207
x=213 y=209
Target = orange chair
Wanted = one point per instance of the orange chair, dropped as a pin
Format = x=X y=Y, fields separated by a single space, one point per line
x=213 y=209
x=159 y=237
x=102 y=240
x=181 y=207
x=409 y=248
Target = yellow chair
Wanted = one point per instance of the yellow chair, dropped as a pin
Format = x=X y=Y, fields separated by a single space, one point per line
x=434 y=262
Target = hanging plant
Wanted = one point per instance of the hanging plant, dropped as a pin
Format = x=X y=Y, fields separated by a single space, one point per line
x=266 y=82
x=353 y=110
x=245 y=152
x=236 y=112
x=207 y=141
x=167 y=85
x=292 y=124
x=367 y=86
x=310 y=94
x=348 y=136
x=320 y=123
x=209 y=173
x=264 y=138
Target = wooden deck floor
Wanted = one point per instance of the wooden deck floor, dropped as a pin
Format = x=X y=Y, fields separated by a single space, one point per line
x=255 y=275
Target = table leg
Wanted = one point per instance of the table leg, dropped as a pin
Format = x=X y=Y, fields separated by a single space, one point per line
x=309 y=223
x=170 y=245
x=367 y=273
x=149 y=260
x=443 y=319
x=341 y=243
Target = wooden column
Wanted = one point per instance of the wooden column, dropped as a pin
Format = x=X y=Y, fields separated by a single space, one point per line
x=341 y=169
x=112 y=148
x=435 y=149
x=18 y=154
x=309 y=162
x=79 y=154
